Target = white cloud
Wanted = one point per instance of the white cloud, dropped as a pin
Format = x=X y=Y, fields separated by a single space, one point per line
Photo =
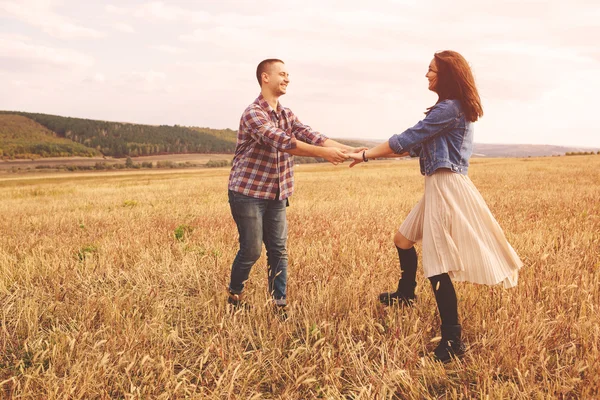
x=160 y=11
x=116 y=10
x=148 y=76
x=168 y=49
x=144 y=81
x=226 y=35
x=536 y=50
x=98 y=77
x=372 y=18
x=39 y=13
x=25 y=51
x=122 y=27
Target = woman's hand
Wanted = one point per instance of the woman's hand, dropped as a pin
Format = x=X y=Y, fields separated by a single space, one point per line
x=355 y=149
x=357 y=158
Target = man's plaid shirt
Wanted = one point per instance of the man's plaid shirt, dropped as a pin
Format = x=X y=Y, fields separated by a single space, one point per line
x=260 y=167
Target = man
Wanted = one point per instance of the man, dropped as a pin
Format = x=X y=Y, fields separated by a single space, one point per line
x=262 y=180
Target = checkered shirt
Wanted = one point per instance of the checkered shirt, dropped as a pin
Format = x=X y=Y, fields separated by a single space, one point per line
x=260 y=166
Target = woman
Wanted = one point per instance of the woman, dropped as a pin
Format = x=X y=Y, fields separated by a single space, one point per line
x=461 y=240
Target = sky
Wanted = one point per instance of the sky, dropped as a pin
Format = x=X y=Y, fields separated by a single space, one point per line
x=357 y=69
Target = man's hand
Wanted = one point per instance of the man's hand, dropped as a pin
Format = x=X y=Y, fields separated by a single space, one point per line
x=333 y=154
x=349 y=150
x=356 y=157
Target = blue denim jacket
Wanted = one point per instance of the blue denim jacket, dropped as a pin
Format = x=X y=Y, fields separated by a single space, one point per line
x=444 y=139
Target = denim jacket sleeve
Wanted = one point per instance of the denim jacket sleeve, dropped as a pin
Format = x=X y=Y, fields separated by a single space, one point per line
x=415 y=151
x=441 y=118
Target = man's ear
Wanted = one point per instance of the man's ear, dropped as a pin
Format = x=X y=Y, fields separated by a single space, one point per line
x=265 y=77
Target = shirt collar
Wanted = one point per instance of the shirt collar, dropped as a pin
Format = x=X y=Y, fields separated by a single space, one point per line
x=265 y=106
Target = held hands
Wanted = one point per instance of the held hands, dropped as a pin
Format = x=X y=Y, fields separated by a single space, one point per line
x=355 y=154
x=356 y=158
x=349 y=150
x=334 y=155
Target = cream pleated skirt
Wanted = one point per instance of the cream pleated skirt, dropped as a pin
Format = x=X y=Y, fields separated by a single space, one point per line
x=459 y=234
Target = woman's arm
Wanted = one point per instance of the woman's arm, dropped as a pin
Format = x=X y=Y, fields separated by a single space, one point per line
x=345 y=148
x=380 y=151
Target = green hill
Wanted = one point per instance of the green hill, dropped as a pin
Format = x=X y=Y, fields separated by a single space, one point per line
x=120 y=139
x=20 y=137
x=227 y=135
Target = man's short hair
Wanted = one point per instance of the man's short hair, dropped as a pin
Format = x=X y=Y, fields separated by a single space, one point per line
x=264 y=66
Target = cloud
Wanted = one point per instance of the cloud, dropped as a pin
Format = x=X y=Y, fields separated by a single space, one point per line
x=148 y=76
x=161 y=12
x=122 y=27
x=144 y=81
x=536 y=50
x=96 y=78
x=168 y=49
x=116 y=10
x=39 y=13
x=22 y=51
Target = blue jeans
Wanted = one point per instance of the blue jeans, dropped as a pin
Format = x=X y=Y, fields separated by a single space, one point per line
x=259 y=221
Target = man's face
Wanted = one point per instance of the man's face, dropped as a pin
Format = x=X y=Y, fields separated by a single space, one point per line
x=277 y=79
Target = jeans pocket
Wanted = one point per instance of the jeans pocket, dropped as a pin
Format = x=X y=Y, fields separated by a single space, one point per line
x=235 y=197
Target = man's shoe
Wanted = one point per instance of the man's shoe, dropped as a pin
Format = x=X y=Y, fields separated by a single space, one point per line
x=281 y=312
x=451 y=346
x=396 y=298
x=236 y=302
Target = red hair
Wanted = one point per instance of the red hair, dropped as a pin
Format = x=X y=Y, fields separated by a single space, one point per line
x=455 y=81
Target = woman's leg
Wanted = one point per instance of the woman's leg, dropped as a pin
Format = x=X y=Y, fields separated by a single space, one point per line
x=451 y=344
x=445 y=296
x=407 y=256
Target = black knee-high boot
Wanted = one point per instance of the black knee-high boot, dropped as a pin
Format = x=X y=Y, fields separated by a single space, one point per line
x=405 y=294
x=451 y=344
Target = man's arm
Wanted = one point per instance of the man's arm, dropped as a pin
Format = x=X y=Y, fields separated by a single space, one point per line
x=345 y=148
x=332 y=154
x=380 y=151
x=306 y=134
x=263 y=131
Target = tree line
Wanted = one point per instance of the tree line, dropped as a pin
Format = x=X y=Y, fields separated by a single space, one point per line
x=118 y=139
x=581 y=153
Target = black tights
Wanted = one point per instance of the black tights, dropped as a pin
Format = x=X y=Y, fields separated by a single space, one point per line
x=445 y=296
x=408 y=267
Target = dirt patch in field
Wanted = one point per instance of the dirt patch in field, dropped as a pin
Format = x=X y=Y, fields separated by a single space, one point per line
x=57 y=162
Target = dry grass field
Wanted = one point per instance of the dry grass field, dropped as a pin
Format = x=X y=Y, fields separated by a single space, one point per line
x=113 y=286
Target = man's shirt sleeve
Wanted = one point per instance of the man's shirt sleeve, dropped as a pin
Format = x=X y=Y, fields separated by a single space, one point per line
x=305 y=133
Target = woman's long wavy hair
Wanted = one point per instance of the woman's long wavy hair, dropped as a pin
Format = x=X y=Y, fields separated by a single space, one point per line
x=455 y=81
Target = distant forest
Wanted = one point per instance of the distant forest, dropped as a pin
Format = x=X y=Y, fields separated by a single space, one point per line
x=119 y=139
x=21 y=137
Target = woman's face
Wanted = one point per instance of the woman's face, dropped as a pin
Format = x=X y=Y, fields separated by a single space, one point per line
x=431 y=75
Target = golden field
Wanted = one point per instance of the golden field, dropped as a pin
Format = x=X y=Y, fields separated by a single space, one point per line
x=112 y=285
